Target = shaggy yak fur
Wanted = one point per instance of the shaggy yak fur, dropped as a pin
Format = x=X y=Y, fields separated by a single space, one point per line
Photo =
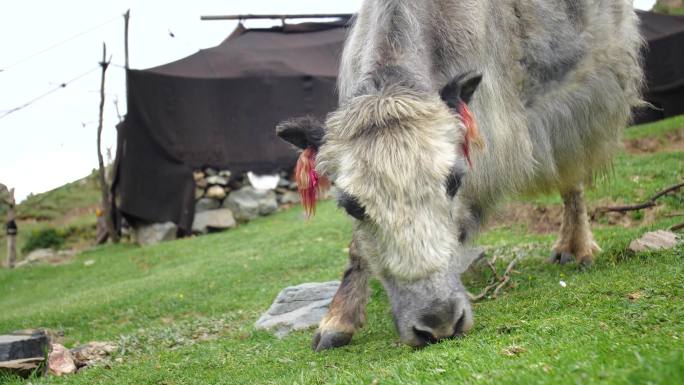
x=549 y=84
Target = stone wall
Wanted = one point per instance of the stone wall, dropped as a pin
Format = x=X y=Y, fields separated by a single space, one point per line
x=222 y=201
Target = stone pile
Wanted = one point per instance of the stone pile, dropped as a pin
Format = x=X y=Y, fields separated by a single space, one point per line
x=221 y=202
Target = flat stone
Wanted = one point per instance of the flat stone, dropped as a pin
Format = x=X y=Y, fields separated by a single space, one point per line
x=298 y=308
x=206 y=204
x=655 y=240
x=40 y=255
x=24 y=367
x=16 y=347
x=216 y=192
x=220 y=219
x=152 y=234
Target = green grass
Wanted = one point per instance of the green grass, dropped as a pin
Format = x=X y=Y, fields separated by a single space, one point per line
x=56 y=203
x=157 y=301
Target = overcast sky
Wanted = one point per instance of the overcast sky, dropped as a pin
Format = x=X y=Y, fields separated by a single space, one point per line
x=52 y=141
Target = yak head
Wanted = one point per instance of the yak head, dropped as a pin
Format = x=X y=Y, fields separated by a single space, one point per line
x=398 y=158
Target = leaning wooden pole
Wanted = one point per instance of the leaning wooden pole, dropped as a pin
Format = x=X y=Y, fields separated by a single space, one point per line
x=11 y=231
x=106 y=200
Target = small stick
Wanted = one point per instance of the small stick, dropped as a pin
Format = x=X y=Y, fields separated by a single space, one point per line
x=499 y=282
x=648 y=204
x=677 y=227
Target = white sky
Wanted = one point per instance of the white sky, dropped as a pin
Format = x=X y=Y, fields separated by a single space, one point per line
x=46 y=144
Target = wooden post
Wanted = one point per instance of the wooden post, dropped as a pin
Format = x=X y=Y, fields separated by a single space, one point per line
x=106 y=199
x=11 y=231
x=126 y=16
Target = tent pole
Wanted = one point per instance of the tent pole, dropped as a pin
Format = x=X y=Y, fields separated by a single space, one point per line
x=126 y=16
x=276 y=17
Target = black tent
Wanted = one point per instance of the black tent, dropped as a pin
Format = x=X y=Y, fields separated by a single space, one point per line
x=219 y=108
x=663 y=66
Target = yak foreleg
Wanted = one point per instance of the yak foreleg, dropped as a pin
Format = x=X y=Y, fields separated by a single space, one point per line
x=347 y=311
x=576 y=240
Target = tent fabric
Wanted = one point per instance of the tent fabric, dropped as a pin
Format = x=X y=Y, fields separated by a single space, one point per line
x=219 y=108
x=663 y=66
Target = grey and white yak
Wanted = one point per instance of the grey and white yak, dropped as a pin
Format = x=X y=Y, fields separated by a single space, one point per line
x=445 y=108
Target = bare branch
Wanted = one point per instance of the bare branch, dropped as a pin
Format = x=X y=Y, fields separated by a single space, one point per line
x=651 y=202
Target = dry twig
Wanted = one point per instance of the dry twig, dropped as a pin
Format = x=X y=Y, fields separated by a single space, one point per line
x=648 y=204
x=498 y=282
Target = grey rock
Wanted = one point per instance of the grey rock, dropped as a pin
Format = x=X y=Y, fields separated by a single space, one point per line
x=221 y=219
x=20 y=346
x=210 y=171
x=244 y=203
x=50 y=256
x=289 y=197
x=216 y=192
x=225 y=173
x=202 y=183
x=92 y=353
x=206 y=204
x=199 y=193
x=152 y=234
x=268 y=204
x=217 y=180
x=298 y=308
x=655 y=240
x=283 y=182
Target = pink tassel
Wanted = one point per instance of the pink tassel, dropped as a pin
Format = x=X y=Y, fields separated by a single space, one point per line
x=472 y=135
x=309 y=184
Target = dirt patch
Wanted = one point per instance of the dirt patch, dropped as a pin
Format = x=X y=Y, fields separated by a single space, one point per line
x=542 y=219
x=538 y=219
x=673 y=141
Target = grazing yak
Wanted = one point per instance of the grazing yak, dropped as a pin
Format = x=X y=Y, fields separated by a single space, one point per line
x=446 y=107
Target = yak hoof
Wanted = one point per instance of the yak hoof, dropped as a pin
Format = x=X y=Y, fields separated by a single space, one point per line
x=564 y=257
x=561 y=257
x=330 y=340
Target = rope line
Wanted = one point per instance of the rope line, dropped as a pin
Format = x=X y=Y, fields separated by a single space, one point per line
x=76 y=36
x=37 y=98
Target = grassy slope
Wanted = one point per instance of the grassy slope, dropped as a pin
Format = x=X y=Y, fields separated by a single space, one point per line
x=158 y=300
x=69 y=205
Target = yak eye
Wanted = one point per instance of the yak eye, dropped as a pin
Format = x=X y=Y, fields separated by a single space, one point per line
x=352 y=206
x=453 y=183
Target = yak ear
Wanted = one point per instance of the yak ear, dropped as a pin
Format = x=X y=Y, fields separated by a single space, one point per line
x=461 y=89
x=305 y=132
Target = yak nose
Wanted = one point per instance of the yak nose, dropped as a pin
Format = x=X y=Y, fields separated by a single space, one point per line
x=435 y=327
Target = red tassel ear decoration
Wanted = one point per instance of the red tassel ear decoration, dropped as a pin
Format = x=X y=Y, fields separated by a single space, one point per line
x=472 y=135
x=309 y=184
